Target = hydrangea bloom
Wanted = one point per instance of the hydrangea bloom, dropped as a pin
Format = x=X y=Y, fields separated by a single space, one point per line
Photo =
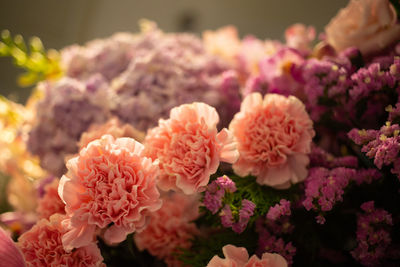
x=65 y=112
x=9 y=254
x=42 y=246
x=170 y=228
x=110 y=182
x=274 y=136
x=108 y=57
x=170 y=70
x=189 y=147
x=238 y=256
x=50 y=203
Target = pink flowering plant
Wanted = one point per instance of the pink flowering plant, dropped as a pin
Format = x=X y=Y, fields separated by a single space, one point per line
x=167 y=149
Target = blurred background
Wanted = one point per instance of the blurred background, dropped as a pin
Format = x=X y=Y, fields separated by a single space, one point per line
x=61 y=23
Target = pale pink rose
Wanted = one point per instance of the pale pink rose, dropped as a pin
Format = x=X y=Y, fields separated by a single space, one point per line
x=42 y=246
x=369 y=25
x=10 y=255
x=113 y=127
x=223 y=42
x=299 y=36
x=238 y=257
x=170 y=227
x=110 y=182
x=274 y=136
x=189 y=147
x=51 y=202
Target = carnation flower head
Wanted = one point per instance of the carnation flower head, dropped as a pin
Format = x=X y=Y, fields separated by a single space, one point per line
x=238 y=256
x=109 y=182
x=42 y=246
x=113 y=127
x=189 y=147
x=50 y=203
x=274 y=136
x=170 y=228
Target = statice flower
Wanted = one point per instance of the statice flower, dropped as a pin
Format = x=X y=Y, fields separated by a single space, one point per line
x=321 y=158
x=373 y=235
x=66 y=110
x=168 y=70
x=239 y=220
x=279 y=210
x=216 y=191
x=324 y=188
x=323 y=82
x=381 y=145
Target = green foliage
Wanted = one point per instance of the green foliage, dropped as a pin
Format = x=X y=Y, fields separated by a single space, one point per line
x=38 y=63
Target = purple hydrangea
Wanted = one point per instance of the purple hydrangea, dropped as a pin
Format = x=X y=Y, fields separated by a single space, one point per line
x=168 y=70
x=67 y=109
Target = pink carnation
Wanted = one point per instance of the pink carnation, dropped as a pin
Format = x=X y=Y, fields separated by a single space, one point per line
x=113 y=127
x=274 y=136
x=42 y=246
x=189 y=147
x=51 y=202
x=170 y=227
x=9 y=254
x=110 y=182
x=238 y=257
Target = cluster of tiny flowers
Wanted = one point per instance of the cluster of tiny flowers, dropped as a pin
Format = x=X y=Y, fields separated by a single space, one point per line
x=279 y=210
x=268 y=241
x=323 y=80
x=240 y=219
x=321 y=158
x=216 y=191
x=324 y=187
x=381 y=145
x=373 y=235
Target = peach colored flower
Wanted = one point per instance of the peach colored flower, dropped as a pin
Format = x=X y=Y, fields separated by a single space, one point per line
x=299 y=36
x=113 y=127
x=10 y=255
x=189 y=147
x=223 y=42
x=42 y=246
x=170 y=227
x=110 y=182
x=274 y=136
x=238 y=257
x=369 y=25
x=51 y=202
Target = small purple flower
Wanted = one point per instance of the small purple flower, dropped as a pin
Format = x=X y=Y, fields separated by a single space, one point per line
x=279 y=210
x=373 y=235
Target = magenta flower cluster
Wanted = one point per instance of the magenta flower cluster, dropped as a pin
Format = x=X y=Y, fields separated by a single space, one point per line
x=237 y=220
x=373 y=235
x=216 y=191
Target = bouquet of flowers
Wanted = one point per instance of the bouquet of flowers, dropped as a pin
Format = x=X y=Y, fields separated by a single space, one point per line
x=166 y=149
